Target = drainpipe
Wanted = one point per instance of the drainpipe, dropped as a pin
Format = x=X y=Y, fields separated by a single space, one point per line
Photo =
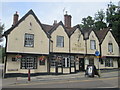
x=86 y=49
x=5 y=63
x=48 y=67
x=69 y=54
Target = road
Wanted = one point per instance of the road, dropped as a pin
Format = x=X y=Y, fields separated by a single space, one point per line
x=107 y=80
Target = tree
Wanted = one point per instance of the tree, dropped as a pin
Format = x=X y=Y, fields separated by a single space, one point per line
x=99 y=20
x=88 y=22
x=2 y=49
x=111 y=11
x=100 y=25
x=1 y=31
x=100 y=15
x=113 y=19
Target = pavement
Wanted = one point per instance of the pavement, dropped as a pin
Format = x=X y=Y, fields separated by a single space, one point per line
x=76 y=76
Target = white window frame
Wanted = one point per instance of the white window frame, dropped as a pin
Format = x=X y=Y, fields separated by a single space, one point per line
x=66 y=62
x=29 y=40
x=110 y=47
x=92 y=44
x=60 y=41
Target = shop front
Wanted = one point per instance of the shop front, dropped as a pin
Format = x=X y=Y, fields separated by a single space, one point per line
x=19 y=64
x=62 y=64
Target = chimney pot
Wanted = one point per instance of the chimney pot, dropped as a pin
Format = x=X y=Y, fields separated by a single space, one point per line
x=55 y=22
x=15 y=18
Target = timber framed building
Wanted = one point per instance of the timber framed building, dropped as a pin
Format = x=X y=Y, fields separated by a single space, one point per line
x=57 y=48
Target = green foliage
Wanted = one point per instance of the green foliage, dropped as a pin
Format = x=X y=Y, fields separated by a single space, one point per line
x=1 y=31
x=2 y=54
x=113 y=19
x=100 y=25
x=100 y=16
x=88 y=22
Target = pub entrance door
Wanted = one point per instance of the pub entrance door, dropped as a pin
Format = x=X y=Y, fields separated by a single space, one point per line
x=81 y=64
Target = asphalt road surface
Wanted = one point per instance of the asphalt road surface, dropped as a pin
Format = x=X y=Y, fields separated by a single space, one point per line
x=109 y=80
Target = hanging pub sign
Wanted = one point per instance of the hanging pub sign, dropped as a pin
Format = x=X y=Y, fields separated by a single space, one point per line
x=42 y=58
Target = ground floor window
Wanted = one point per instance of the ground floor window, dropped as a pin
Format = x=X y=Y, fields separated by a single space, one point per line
x=72 y=61
x=66 y=62
x=28 y=62
x=109 y=62
x=61 y=61
x=52 y=63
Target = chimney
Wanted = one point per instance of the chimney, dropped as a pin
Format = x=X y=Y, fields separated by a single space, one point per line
x=55 y=22
x=15 y=18
x=67 y=20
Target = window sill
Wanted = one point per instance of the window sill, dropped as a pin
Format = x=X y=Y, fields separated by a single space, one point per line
x=59 y=47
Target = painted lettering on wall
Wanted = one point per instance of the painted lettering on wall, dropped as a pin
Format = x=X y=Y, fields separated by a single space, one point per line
x=77 y=47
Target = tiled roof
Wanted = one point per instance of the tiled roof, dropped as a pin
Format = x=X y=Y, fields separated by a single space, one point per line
x=72 y=29
x=46 y=27
x=29 y=12
x=86 y=32
x=101 y=34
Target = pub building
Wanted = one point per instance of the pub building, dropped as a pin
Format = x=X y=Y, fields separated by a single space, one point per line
x=53 y=49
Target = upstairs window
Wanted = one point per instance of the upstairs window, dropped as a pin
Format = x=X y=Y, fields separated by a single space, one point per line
x=110 y=47
x=29 y=40
x=92 y=44
x=60 y=41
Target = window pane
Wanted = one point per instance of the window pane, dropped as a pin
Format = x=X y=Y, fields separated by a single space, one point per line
x=28 y=62
x=110 y=47
x=60 y=41
x=92 y=44
x=29 y=40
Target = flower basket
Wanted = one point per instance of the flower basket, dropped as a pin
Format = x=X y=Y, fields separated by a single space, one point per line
x=18 y=56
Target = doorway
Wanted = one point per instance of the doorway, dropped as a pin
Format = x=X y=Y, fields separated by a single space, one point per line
x=81 y=64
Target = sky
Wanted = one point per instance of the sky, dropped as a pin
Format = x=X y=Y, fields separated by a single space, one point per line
x=48 y=11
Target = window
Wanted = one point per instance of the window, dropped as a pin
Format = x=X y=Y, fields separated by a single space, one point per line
x=14 y=59
x=66 y=62
x=52 y=63
x=59 y=63
x=109 y=62
x=92 y=44
x=29 y=40
x=110 y=47
x=28 y=62
x=60 y=41
x=72 y=61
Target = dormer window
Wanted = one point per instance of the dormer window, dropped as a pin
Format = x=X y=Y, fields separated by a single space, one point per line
x=110 y=47
x=29 y=40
